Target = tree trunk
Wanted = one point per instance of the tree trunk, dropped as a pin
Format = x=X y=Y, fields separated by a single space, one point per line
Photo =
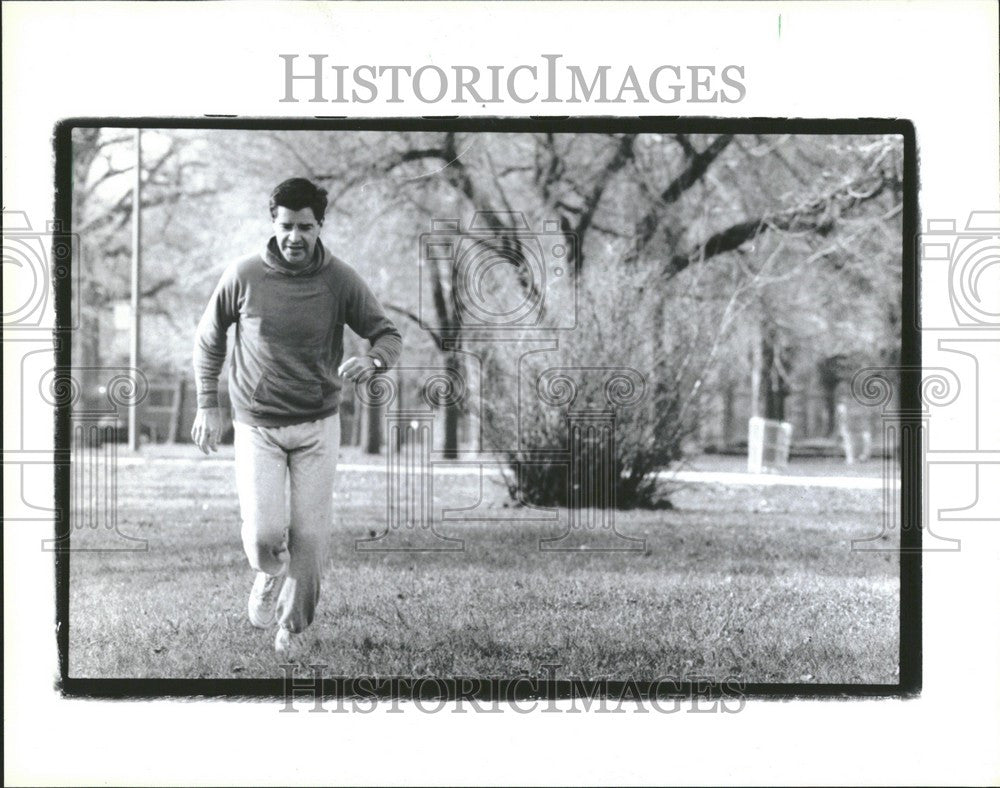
x=728 y=413
x=453 y=406
x=400 y=403
x=452 y=415
x=830 y=402
x=773 y=380
x=829 y=379
x=808 y=411
x=357 y=416
x=767 y=376
x=373 y=442
x=756 y=376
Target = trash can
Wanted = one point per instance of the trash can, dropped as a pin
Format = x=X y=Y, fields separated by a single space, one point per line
x=768 y=443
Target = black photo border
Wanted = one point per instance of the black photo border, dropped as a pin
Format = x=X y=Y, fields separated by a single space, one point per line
x=515 y=688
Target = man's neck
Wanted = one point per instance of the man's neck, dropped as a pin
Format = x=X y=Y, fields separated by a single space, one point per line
x=278 y=260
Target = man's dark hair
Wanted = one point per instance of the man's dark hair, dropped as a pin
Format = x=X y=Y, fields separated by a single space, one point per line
x=298 y=193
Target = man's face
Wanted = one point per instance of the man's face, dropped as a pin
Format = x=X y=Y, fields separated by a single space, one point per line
x=296 y=233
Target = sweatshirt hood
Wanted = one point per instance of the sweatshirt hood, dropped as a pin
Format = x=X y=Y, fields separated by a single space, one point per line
x=274 y=260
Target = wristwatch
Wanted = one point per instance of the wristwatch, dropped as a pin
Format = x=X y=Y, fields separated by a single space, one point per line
x=377 y=362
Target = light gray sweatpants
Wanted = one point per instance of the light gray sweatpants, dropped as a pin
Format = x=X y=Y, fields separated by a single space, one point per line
x=304 y=456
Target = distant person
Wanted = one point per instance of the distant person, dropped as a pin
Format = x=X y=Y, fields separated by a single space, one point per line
x=849 y=424
x=290 y=303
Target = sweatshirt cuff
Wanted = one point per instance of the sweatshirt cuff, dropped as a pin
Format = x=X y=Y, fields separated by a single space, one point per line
x=208 y=399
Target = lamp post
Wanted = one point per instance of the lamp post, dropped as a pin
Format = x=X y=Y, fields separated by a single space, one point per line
x=133 y=355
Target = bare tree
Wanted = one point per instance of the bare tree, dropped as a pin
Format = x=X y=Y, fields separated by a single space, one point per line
x=675 y=225
x=103 y=178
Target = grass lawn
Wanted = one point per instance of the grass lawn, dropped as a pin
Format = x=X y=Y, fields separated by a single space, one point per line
x=757 y=584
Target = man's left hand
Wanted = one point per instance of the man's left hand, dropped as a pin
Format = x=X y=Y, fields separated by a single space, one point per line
x=354 y=366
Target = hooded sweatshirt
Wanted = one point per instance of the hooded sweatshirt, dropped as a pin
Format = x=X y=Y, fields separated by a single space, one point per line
x=289 y=336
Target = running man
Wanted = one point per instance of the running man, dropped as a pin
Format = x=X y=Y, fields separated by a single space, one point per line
x=290 y=303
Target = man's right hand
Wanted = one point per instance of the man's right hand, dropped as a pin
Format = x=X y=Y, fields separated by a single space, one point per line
x=207 y=429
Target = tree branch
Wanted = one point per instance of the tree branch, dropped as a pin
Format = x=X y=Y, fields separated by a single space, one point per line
x=622 y=156
x=120 y=212
x=819 y=216
x=694 y=170
x=278 y=138
x=163 y=284
x=408 y=314
x=685 y=143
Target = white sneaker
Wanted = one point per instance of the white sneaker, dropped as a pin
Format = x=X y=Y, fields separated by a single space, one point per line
x=288 y=645
x=263 y=601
